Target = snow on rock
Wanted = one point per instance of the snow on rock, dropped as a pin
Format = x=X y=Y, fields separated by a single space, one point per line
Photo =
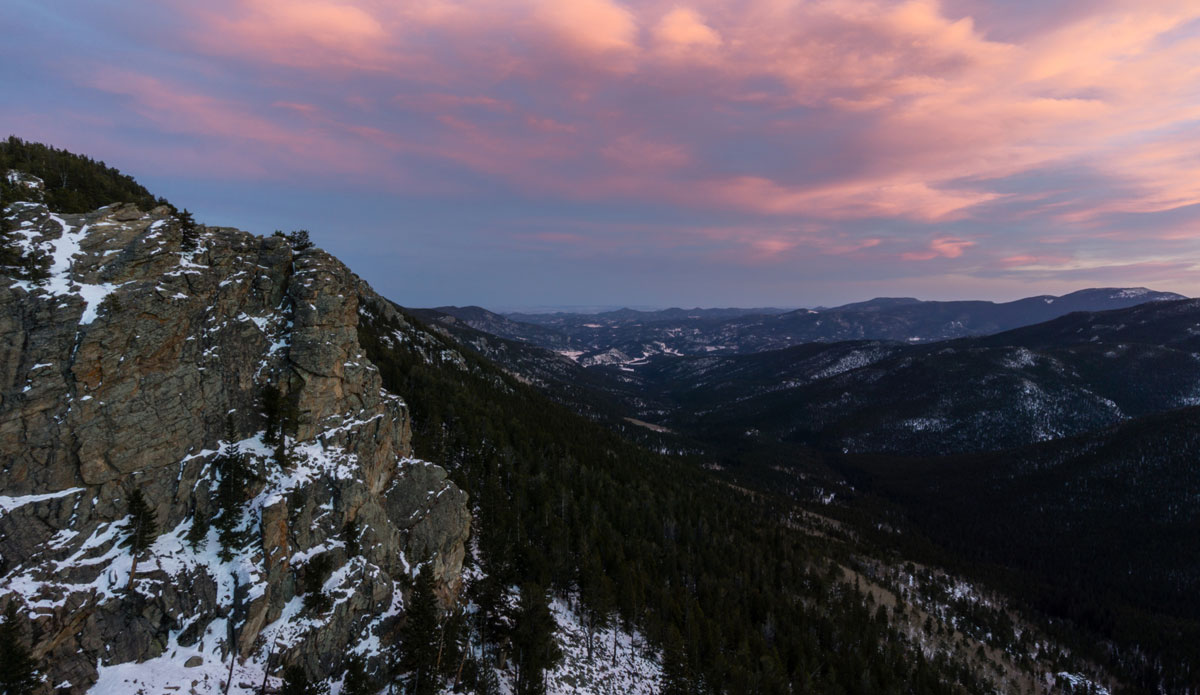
x=7 y=504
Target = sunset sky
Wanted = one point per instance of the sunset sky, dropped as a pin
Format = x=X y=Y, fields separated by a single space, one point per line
x=692 y=152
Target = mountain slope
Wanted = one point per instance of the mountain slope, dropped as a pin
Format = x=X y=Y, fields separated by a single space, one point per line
x=495 y=324
x=66 y=182
x=567 y=503
x=763 y=595
x=1101 y=530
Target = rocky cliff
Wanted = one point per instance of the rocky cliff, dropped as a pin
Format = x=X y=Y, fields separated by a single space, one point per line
x=133 y=365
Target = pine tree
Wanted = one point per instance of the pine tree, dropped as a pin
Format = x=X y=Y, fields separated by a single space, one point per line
x=272 y=408
x=300 y=240
x=198 y=531
x=418 y=638
x=533 y=641
x=296 y=682
x=18 y=675
x=487 y=593
x=675 y=678
x=282 y=456
x=453 y=645
x=486 y=682
x=315 y=574
x=235 y=475
x=355 y=681
x=142 y=529
x=35 y=266
x=598 y=596
x=351 y=532
x=191 y=232
x=229 y=498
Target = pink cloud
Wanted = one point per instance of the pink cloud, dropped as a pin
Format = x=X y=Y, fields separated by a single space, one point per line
x=682 y=31
x=303 y=33
x=280 y=140
x=590 y=26
x=439 y=102
x=755 y=245
x=849 y=200
x=638 y=153
x=179 y=110
x=944 y=247
x=548 y=125
x=597 y=99
x=1034 y=261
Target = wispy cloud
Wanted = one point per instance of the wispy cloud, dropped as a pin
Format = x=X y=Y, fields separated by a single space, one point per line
x=961 y=132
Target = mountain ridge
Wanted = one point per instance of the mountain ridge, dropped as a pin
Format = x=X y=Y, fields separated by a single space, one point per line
x=631 y=337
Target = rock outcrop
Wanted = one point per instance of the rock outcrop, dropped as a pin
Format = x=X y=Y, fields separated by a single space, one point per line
x=132 y=366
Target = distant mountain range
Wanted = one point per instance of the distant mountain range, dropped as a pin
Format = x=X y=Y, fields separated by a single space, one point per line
x=629 y=337
x=1071 y=375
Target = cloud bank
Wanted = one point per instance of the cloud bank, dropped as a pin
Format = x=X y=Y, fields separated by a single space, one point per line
x=983 y=143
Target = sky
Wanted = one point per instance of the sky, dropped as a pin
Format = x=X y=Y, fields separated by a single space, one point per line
x=523 y=153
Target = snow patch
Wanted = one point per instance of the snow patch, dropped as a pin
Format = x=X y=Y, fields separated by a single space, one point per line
x=7 y=504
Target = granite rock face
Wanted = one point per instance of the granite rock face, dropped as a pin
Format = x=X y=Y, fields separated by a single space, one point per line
x=130 y=367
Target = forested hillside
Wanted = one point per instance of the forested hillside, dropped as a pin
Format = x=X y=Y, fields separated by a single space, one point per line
x=70 y=182
x=1101 y=531
x=755 y=605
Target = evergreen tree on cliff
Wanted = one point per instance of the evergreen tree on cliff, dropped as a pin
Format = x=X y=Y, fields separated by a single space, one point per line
x=356 y=681
x=419 y=638
x=142 y=529
x=235 y=475
x=17 y=673
x=191 y=232
x=10 y=254
x=296 y=682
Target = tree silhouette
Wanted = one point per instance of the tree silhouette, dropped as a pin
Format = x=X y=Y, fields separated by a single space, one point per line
x=296 y=682
x=191 y=232
x=355 y=681
x=533 y=641
x=418 y=639
x=18 y=675
x=675 y=679
x=299 y=240
x=235 y=474
x=142 y=529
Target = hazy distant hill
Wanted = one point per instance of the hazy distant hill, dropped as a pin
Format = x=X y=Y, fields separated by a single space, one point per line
x=1076 y=373
x=630 y=337
x=490 y=322
x=625 y=314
